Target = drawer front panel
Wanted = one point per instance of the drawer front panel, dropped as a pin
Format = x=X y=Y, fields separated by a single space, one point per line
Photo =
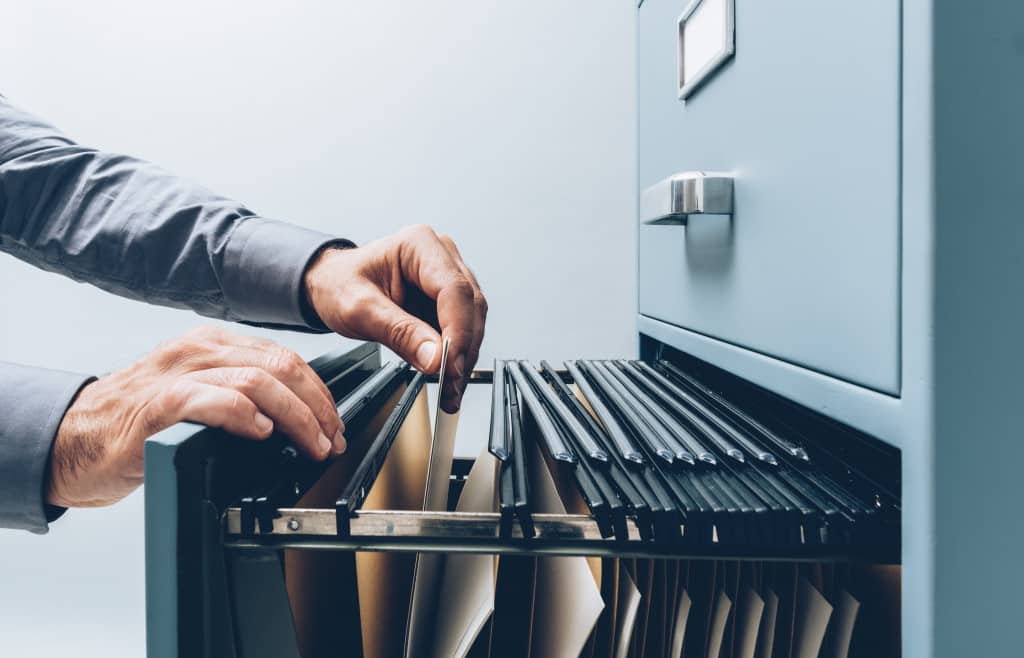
x=806 y=119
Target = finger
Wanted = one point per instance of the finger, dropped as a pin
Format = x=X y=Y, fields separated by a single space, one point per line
x=284 y=364
x=290 y=369
x=427 y=264
x=479 y=305
x=288 y=412
x=375 y=316
x=207 y=404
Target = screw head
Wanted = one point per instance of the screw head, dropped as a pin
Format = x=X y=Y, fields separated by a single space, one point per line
x=294 y=524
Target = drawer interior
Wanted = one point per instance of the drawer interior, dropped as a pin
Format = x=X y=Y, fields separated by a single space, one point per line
x=282 y=571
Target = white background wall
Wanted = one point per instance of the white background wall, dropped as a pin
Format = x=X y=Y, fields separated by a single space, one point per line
x=508 y=125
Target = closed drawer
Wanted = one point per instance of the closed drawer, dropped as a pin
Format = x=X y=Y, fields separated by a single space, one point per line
x=806 y=118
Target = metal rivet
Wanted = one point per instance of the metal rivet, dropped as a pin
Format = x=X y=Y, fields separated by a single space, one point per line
x=294 y=525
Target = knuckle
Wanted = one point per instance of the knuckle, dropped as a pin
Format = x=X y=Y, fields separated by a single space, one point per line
x=481 y=304
x=173 y=397
x=180 y=349
x=285 y=363
x=359 y=302
x=310 y=425
x=401 y=332
x=251 y=379
x=238 y=403
x=462 y=288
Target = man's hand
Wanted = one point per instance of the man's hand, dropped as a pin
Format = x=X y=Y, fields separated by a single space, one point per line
x=247 y=386
x=400 y=291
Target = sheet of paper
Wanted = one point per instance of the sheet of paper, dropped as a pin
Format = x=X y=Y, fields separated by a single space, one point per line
x=679 y=625
x=385 y=579
x=723 y=604
x=568 y=600
x=628 y=604
x=766 y=633
x=841 y=630
x=467 y=589
x=812 y=615
x=426 y=580
x=748 y=622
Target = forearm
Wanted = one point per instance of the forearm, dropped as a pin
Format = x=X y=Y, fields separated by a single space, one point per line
x=130 y=228
x=33 y=402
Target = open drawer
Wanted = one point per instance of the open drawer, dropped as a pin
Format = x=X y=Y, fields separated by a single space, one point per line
x=660 y=487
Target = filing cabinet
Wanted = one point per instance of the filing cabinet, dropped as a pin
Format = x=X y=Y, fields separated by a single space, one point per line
x=867 y=261
x=829 y=238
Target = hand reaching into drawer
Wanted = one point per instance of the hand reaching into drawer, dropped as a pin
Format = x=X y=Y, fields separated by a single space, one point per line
x=401 y=291
x=247 y=386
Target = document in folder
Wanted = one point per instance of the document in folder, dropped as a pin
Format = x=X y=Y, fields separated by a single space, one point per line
x=568 y=599
x=467 y=588
x=354 y=595
x=427 y=572
x=385 y=579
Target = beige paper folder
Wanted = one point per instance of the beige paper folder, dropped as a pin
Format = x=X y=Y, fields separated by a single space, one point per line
x=749 y=611
x=766 y=632
x=385 y=579
x=682 y=615
x=331 y=600
x=837 y=643
x=813 y=612
x=628 y=603
x=467 y=590
x=568 y=600
x=427 y=572
x=719 y=617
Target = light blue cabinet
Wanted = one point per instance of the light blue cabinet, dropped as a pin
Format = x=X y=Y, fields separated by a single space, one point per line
x=806 y=118
x=874 y=266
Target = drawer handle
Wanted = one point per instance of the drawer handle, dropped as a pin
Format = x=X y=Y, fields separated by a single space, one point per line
x=674 y=199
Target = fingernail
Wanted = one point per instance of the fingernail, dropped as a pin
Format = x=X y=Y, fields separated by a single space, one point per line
x=452 y=405
x=325 y=444
x=460 y=365
x=340 y=444
x=263 y=424
x=425 y=354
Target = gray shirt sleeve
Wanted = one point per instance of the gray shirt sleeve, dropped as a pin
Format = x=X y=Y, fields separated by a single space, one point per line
x=132 y=229
x=32 y=405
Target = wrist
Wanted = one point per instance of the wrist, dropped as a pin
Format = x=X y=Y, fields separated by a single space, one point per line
x=76 y=449
x=315 y=283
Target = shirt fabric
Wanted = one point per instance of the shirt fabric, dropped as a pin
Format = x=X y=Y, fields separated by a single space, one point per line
x=130 y=228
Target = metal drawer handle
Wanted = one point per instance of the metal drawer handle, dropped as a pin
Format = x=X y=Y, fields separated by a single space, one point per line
x=687 y=193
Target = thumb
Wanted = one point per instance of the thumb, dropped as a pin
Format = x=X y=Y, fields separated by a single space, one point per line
x=406 y=335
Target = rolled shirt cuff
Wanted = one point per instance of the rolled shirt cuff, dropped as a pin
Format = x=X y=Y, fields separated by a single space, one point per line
x=264 y=264
x=33 y=402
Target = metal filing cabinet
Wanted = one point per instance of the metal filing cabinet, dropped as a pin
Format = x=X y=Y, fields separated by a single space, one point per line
x=831 y=214
x=867 y=263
